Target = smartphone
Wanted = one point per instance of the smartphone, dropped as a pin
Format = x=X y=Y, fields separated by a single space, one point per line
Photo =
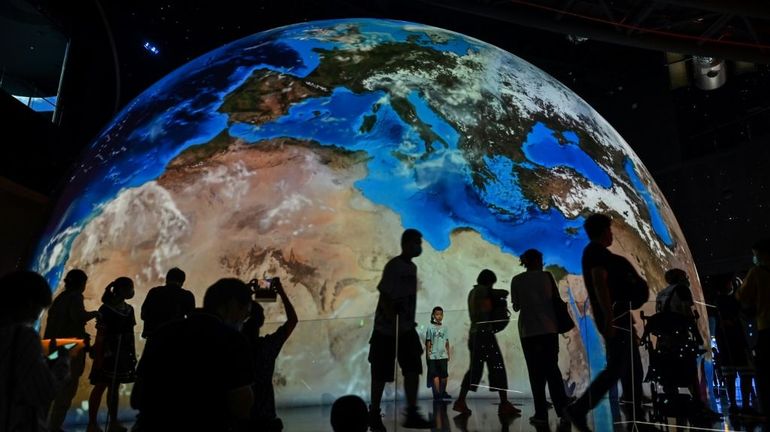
x=55 y=355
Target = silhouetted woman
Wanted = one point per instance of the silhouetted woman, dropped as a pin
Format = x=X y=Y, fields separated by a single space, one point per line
x=483 y=347
x=532 y=295
x=114 y=351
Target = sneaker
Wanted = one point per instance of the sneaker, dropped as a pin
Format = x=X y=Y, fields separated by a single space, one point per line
x=577 y=419
x=461 y=407
x=375 y=421
x=446 y=396
x=507 y=408
x=535 y=420
x=414 y=420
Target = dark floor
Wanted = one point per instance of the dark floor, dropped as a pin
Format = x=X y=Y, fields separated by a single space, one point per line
x=484 y=418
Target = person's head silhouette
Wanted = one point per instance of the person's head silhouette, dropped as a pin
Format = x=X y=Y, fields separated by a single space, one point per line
x=175 y=277
x=532 y=259
x=230 y=300
x=23 y=296
x=597 y=227
x=349 y=414
x=75 y=280
x=411 y=243
x=118 y=290
x=486 y=278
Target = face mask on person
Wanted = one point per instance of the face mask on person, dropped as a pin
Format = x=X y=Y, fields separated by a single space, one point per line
x=755 y=260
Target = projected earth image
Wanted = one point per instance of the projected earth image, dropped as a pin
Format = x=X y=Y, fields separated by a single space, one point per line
x=303 y=152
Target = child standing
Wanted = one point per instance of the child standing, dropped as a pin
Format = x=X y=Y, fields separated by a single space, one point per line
x=114 y=352
x=437 y=349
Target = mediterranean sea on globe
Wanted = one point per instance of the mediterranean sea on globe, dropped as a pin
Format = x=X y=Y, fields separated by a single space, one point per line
x=303 y=152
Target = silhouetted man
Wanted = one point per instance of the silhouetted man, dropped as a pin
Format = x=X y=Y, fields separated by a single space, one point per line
x=195 y=374
x=67 y=318
x=167 y=303
x=605 y=284
x=394 y=323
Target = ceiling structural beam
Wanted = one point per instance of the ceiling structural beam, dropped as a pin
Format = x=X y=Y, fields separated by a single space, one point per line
x=608 y=13
x=640 y=15
x=565 y=7
x=533 y=14
x=752 y=8
x=716 y=26
x=750 y=29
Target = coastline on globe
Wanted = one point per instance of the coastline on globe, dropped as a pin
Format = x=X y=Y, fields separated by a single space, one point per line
x=304 y=151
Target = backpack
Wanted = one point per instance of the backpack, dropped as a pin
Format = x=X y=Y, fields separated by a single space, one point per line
x=627 y=287
x=500 y=314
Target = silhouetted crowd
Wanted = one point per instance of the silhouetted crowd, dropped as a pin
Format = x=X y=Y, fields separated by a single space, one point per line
x=211 y=369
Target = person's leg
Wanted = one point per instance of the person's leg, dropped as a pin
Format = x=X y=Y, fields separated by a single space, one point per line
x=532 y=347
x=113 y=397
x=617 y=363
x=498 y=377
x=410 y=359
x=94 y=401
x=631 y=380
x=411 y=383
x=472 y=375
x=746 y=381
x=382 y=355
x=436 y=386
x=730 y=386
x=553 y=373
x=442 y=386
x=376 y=394
x=63 y=401
x=763 y=371
x=475 y=368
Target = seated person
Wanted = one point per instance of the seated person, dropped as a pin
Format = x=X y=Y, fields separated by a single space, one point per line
x=265 y=350
x=677 y=299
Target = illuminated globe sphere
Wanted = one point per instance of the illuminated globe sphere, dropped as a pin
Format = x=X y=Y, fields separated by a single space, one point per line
x=303 y=152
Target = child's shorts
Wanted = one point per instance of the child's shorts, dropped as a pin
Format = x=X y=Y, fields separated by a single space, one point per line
x=438 y=368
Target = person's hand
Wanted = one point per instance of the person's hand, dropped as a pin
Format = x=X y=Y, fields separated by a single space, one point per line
x=60 y=367
x=278 y=286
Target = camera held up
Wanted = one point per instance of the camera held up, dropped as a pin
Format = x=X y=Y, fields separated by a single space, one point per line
x=264 y=290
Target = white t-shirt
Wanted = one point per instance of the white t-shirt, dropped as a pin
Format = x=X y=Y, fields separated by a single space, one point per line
x=531 y=295
x=438 y=337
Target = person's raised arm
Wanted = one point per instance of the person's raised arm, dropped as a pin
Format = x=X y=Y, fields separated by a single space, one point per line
x=291 y=314
x=599 y=277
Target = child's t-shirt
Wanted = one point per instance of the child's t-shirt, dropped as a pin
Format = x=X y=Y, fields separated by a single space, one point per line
x=438 y=337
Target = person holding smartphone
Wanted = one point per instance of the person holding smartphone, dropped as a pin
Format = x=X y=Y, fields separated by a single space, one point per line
x=264 y=351
x=28 y=381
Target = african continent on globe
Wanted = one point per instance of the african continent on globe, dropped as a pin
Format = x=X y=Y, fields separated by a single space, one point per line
x=303 y=152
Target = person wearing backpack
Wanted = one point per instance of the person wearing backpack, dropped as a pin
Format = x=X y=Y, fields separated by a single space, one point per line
x=483 y=347
x=614 y=289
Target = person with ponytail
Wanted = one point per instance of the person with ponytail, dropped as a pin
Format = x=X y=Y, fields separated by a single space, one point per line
x=113 y=352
